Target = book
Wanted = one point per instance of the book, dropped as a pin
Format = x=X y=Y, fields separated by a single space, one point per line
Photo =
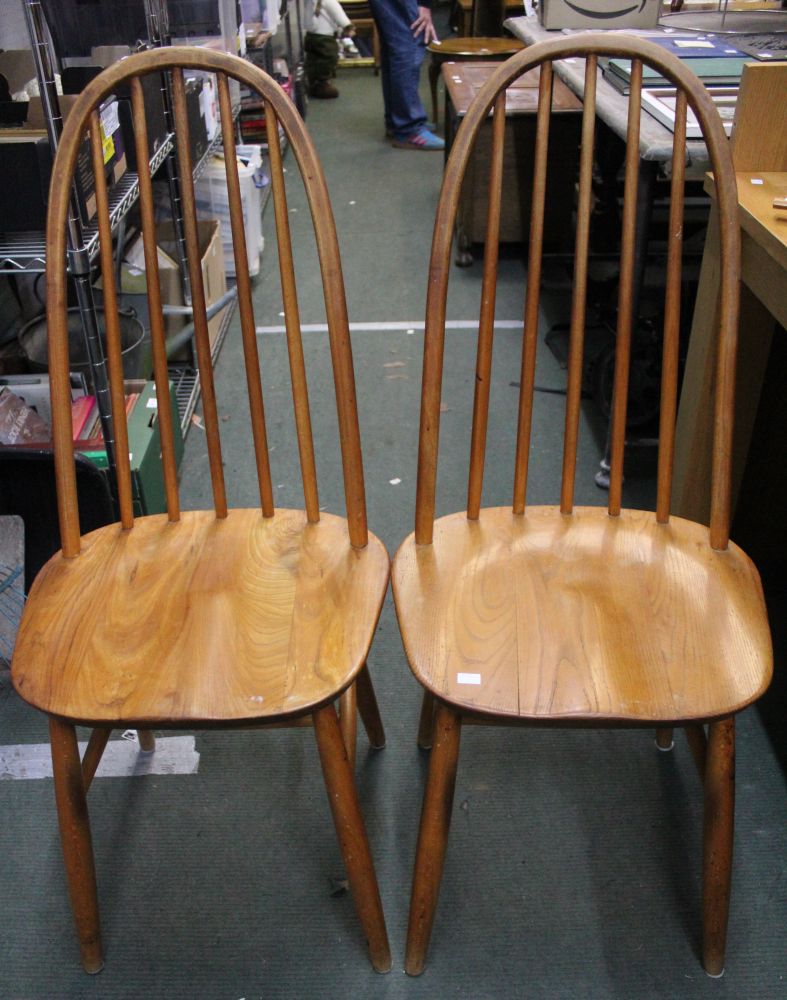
x=713 y=73
x=660 y=103
x=20 y=423
x=698 y=46
x=81 y=412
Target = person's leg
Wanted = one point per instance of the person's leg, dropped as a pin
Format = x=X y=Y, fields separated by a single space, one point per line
x=321 y=56
x=402 y=56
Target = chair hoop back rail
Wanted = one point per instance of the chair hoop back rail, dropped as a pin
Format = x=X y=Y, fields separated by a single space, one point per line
x=691 y=93
x=280 y=110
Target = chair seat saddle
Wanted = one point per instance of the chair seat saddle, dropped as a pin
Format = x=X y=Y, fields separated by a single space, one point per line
x=201 y=620
x=582 y=617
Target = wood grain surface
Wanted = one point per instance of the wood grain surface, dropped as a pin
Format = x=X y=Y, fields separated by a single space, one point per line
x=203 y=620
x=582 y=617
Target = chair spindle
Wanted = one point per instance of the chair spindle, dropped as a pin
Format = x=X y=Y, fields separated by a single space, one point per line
x=201 y=335
x=533 y=291
x=245 y=307
x=112 y=324
x=669 y=365
x=486 y=327
x=579 y=305
x=157 y=334
x=626 y=294
x=292 y=321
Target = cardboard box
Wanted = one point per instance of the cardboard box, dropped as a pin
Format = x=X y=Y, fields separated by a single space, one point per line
x=599 y=13
x=133 y=281
x=18 y=67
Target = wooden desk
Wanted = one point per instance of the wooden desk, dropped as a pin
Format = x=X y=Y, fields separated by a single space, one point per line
x=763 y=305
x=462 y=82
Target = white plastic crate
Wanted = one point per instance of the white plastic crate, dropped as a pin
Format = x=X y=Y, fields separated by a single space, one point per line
x=213 y=203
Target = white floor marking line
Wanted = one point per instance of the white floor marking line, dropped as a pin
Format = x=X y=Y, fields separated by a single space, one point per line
x=451 y=324
x=122 y=758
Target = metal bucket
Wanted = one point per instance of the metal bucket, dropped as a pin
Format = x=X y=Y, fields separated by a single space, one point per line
x=134 y=346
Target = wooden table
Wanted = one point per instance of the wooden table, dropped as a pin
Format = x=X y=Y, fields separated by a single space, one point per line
x=763 y=305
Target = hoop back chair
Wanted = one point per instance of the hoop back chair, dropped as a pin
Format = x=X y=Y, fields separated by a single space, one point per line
x=225 y=617
x=580 y=616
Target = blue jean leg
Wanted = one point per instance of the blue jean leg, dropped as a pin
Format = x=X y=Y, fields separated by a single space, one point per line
x=401 y=57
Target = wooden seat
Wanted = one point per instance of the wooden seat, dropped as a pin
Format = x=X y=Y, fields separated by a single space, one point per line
x=500 y=590
x=204 y=618
x=561 y=615
x=243 y=618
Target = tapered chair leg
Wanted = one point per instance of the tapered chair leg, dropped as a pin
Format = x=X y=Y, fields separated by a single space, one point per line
x=351 y=832
x=147 y=741
x=426 y=722
x=664 y=739
x=76 y=842
x=717 y=842
x=93 y=754
x=348 y=719
x=432 y=836
x=368 y=710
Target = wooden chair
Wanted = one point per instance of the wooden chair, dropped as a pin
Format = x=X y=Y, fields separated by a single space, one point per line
x=204 y=618
x=564 y=616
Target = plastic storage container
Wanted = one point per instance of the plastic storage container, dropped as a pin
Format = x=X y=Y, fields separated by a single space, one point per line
x=213 y=203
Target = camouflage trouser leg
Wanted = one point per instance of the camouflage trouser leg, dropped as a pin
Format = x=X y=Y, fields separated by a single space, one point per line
x=322 y=55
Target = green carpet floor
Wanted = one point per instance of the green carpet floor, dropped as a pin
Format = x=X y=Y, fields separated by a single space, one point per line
x=573 y=867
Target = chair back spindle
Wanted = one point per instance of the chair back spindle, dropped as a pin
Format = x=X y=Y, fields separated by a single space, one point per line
x=112 y=326
x=292 y=323
x=245 y=310
x=626 y=293
x=486 y=328
x=669 y=363
x=201 y=334
x=157 y=332
x=533 y=291
x=579 y=297
x=690 y=94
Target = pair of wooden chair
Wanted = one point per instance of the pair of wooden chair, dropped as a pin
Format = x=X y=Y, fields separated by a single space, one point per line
x=542 y=615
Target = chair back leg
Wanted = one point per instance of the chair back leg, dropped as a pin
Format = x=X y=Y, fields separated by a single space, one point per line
x=717 y=842
x=352 y=835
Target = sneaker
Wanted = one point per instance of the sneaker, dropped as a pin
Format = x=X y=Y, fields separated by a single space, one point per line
x=430 y=126
x=324 y=89
x=421 y=139
x=347 y=49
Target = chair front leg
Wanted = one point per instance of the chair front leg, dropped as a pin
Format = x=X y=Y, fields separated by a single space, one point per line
x=717 y=842
x=432 y=836
x=76 y=842
x=351 y=832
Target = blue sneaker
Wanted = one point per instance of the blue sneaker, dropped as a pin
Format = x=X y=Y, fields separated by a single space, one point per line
x=431 y=126
x=421 y=139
